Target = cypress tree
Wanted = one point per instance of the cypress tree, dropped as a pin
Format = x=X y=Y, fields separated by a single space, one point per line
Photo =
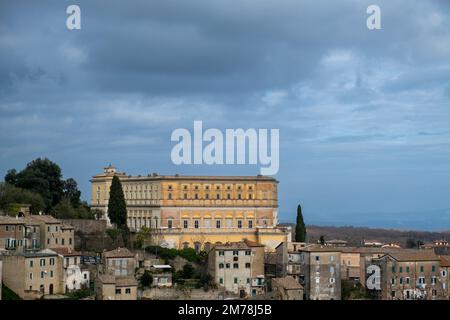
x=300 y=228
x=117 y=208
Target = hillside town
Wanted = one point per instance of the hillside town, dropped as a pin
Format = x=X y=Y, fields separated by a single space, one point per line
x=201 y=238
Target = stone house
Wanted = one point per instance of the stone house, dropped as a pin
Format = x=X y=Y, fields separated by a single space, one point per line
x=238 y=267
x=287 y=288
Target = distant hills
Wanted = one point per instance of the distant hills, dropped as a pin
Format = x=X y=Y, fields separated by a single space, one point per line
x=437 y=220
x=355 y=235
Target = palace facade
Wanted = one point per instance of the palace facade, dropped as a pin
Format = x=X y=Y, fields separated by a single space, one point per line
x=197 y=211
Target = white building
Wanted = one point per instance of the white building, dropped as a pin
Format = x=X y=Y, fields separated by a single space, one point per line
x=74 y=277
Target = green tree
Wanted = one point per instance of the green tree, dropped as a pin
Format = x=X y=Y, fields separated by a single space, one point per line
x=146 y=279
x=188 y=271
x=300 y=228
x=41 y=176
x=143 y=238
x=322 y=240
x=72 y=193
x=117 y=208
x=65 y=210
x=10 y=195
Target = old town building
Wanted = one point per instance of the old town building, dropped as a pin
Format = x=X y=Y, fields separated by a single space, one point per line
x=238 y=267
x=32 y=275
x=19 y=234
x=109 y=287
x=75 y=277
x=53 y=232
x=320 y=273
x=410 y=275
x=197 y=211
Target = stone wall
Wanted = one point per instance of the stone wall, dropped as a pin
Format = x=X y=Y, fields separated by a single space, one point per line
x=87 y=226
x=177 y=294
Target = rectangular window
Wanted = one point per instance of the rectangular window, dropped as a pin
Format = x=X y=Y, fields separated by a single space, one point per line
x=248 y=252
x=247 y=265
x=118 y=291
x=250 y=224
x=235 y=280
x=227 y=266
x=42 y=274
x=31 y=276
x=393 y=269
x=221 y=253
x=169 y=224
x=235 y=252
x=128 y=291
x=52 y=261
x=42 y=262
x=31 y=263
x=70 y=241
x=400 y=269
x=239 y=224
x=421 y=268
x=221 y=280
x=196 y=224
x=51 y=274
x=401 y=280
x=407 y=280
x=185 y=224
x=407 y=269
x=433 y=268
x=217 y=224
x=235 y=265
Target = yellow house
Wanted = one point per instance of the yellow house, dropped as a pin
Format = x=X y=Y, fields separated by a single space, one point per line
x=197 y=211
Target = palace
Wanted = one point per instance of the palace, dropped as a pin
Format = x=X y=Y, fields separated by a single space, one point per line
x=197 y=211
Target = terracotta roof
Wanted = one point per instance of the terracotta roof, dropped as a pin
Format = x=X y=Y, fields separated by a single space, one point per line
x=107 y=279
x=123 y=176
x=126 y=281
x=241 y=245
x=11 y=220
x=288 y=283
x=43 y=218
x=445 y=262
x=66 y=252
x=416 y=255
x=319 y=248
x=118 y=253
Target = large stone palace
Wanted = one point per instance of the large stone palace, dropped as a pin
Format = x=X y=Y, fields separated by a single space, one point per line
x=197 y=211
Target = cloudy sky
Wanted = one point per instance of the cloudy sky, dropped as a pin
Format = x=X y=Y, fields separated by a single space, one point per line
x=364 y=116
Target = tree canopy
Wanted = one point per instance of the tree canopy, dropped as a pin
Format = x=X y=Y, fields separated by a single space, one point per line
x=41 y=185
x=300 y=228
x=117 y=208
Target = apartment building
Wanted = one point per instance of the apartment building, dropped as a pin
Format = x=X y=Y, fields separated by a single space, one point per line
x=288 y=260
x=320 y=272
x=412 y=275
x=18 y=234
x=119 y=262
x=34 y=274
x=75 y=277
x=109 y=287
x=197 y=211
x=238 y=267
x=53 y=232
